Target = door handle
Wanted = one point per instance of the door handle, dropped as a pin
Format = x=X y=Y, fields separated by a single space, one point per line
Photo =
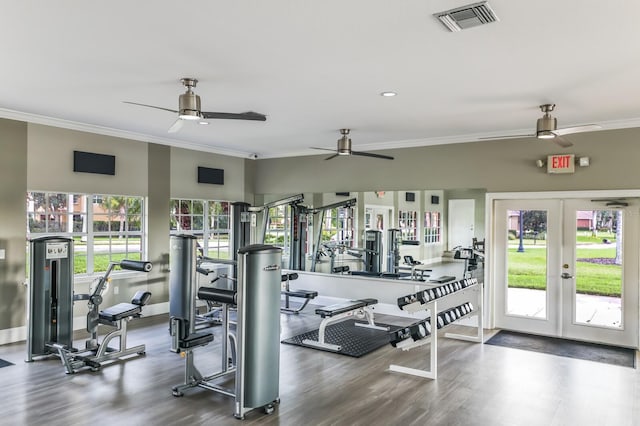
x=566 y=276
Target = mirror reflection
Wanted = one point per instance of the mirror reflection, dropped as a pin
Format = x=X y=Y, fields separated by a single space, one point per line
x=390 y=234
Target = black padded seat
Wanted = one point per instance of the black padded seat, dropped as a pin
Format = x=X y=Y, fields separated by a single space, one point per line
x=304 y=294
x=340 y=308
x=196 y=339
x=120 y=311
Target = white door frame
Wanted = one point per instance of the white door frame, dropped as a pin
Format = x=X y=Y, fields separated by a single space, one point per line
x=551 y=324
x=490 y=263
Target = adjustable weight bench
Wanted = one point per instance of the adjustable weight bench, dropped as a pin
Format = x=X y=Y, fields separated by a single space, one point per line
x=339 y=311
x=307 y=295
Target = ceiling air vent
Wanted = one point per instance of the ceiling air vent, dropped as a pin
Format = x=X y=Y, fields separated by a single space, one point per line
x=467 y=16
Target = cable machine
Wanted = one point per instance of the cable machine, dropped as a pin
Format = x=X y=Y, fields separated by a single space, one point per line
x=321 y=211
x=256 y=298
x=51 y=299
x=297 y=229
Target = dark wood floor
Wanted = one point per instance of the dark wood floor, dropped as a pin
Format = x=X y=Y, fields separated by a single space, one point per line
x=477 y=385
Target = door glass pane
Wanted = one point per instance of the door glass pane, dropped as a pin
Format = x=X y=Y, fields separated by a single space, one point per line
x=598 y=277
x=527 y=263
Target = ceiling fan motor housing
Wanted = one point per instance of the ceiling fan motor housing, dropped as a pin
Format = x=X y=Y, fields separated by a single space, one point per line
x=189 y=106
x=545 y=127
x=344 y=145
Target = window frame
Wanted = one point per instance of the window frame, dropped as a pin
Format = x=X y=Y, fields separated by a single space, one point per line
x=432 y=234
x=208 y=229
x=87 y=236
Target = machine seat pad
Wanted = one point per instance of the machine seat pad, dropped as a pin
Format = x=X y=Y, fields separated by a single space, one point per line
x=196 y=339
x=340 y=308
x=305 y=294
x=120 y=311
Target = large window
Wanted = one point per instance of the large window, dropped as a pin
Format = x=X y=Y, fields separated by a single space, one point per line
x=338 y=226
x=104 y=228
x=431 y=227
x=408 y=224
x=208 y=220
x=278 y=228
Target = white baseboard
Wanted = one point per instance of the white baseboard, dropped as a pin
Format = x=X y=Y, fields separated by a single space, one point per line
x=12 y=335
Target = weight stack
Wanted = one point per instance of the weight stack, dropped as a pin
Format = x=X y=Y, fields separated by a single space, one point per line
x=258 y=373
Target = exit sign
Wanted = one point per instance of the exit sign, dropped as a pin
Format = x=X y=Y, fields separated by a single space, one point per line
x=564 y=163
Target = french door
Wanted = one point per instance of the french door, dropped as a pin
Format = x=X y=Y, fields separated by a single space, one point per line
x=568 y=268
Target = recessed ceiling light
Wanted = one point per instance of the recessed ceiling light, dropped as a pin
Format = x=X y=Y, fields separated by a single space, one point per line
x=204 y=123
x=388 y=94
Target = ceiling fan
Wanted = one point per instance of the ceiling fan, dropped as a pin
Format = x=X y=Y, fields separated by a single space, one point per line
x=344 y=148
x=189 y=108
x=547 y=128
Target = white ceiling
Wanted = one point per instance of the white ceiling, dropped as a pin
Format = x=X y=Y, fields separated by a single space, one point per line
x=314 y=67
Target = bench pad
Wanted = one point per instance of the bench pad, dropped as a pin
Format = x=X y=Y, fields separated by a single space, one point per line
x=120 y=311
x=305 y=294
x=340 y=308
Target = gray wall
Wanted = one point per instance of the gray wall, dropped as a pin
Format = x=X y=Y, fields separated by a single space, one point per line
x=38 y=157
x=184 y=173
x=50 y=165
x=13 y=187
x=496 y=166
x=157 y=220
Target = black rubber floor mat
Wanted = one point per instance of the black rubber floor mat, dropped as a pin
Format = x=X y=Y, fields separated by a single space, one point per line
x=568 y=348
x=355 y=341
x=4 y=363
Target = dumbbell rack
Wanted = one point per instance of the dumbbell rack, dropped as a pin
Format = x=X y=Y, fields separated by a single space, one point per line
x=423 y=332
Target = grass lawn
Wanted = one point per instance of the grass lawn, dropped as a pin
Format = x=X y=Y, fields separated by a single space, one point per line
x=527 y=270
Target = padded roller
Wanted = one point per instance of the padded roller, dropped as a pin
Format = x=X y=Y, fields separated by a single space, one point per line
x=289 y=277
x=136 y=265
x=229 y=297
x=202 y=270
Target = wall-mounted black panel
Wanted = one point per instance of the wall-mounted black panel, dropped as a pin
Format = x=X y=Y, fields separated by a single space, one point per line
x=435 y=199
x=342 y=194
x=208 y=175
x=410 y=196
x=90 y=162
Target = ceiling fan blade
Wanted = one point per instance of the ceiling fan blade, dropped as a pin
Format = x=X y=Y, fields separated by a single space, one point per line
x=150 y=106
x=331 y=156
x=250 y=115
x=507 y=136
x=370 y=154
x=176 y=126
x=324 y=149
x=577 y=129
x=562 y=142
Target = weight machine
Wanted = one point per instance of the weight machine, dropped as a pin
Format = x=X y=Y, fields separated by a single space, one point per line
x=257 y=302
x=297 y=228
x=51 y=299
x=320 y=211
x=394 y=236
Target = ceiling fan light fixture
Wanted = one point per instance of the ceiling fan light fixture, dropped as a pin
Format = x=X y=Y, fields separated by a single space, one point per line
x=545 y=134
x=189 y=114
